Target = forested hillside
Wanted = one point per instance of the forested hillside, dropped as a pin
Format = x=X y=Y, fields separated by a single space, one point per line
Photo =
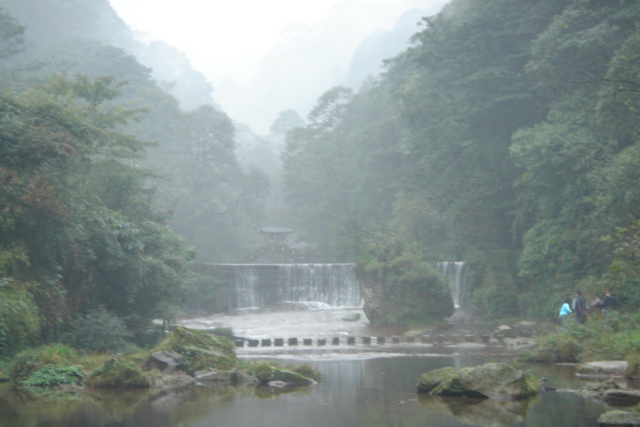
x=108 y=188
x=505 y=136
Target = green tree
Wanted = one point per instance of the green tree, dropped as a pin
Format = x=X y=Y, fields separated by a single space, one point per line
x=11 y=35
x=75 y=201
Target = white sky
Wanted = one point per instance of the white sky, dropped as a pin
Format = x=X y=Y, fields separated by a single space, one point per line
x=222 y=37
x=258 y=69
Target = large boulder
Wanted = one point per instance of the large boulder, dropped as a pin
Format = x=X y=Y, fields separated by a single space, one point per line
x=189 y=350
x=399 y=286
x=619 y=418
x=430 y=380
x=621 y=397
x=491 y=380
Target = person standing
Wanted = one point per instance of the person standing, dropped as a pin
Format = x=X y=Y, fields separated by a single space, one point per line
x=565 y=311
x=580 y=307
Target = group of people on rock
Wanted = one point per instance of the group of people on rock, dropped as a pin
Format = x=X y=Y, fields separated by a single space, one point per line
x=580 y=307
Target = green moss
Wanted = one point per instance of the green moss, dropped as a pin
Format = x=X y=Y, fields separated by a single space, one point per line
x=267 y=371
x=200 y=350
x=29 y=361
x=598 y=339
x=116 y=373
x=497 y=380
x=51 y=376
x=430 y=380
x=306 y=370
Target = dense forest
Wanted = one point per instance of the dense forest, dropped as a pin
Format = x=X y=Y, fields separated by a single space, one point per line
x=506 y=135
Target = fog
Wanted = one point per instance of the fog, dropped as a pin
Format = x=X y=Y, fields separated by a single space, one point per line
x=285 y=59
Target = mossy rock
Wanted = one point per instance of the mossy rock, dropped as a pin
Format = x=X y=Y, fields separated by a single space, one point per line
x=306 y=370
x=267 y=372
x=291 y=378
x=200 y=350
x=200 y=359
x=491 y=380
x=619 y=418
x=116 y=373
x=430 y=380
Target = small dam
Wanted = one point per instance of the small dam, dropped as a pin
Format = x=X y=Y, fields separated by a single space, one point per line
x=256 y=286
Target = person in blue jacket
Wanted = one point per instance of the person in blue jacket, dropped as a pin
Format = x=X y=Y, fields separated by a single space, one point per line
x=565 y=311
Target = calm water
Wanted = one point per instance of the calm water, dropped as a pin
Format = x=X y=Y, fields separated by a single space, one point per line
x=359 y=388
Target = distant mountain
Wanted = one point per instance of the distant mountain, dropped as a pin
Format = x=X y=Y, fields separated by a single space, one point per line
x=369 y=57
x=343 y=49
x=50 y=23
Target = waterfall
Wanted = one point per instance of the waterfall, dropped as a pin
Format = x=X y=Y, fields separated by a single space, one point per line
x=455 y=273
x=260 y=285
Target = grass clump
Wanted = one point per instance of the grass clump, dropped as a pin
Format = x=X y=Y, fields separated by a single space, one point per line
x=31 y=360
x=51 y=376
x=117 y=373
x=200 y=350
x=306 y=370
x=612 y=337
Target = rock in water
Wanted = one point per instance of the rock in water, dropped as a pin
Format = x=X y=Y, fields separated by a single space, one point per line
x=491 y=380
x=619 y=418
x=430 y=380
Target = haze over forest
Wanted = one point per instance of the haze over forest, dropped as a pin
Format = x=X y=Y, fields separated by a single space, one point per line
x=259 y=69
x=504 y=134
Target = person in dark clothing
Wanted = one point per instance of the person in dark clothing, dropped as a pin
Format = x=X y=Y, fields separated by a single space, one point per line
x=609 y=302
x=580 y=307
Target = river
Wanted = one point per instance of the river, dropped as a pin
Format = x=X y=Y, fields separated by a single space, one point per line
x=368 y=387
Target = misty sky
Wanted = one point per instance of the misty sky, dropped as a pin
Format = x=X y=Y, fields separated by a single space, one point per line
x=235 y=44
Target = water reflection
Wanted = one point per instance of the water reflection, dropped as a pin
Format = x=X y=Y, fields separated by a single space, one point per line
x=478 y=412
x=367 y=392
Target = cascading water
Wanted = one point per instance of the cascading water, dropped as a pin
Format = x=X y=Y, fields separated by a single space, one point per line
x=455 y=273
x=260 y=285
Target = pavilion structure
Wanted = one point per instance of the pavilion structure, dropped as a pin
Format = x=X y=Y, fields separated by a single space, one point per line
x=276 y=248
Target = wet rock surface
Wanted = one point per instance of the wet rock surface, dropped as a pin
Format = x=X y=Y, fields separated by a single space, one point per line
x=619 y=418
x=491 y=380
x=603 y=368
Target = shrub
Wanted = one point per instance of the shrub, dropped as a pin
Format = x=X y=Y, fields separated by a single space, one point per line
x=100 y=331
x=560 y=347
x=19 y=321
x=116 y=373
x=29 y=361
x=50 y=376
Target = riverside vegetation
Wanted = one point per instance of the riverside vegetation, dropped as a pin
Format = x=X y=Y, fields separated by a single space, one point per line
x=183 y=358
